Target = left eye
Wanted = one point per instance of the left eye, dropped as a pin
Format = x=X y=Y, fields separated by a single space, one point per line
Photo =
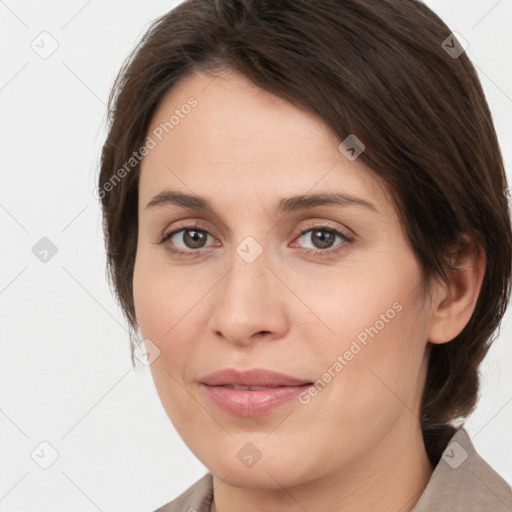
x=323 y=238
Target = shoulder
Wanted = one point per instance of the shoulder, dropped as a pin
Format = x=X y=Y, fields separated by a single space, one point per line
x=464 y=481
x=197 y=498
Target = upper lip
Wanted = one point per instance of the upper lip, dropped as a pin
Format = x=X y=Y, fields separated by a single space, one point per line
x=251 y=377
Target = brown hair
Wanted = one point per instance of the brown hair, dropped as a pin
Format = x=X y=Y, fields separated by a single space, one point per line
x=380 y=70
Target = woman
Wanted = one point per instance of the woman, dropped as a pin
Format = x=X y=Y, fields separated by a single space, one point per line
x=306 y=218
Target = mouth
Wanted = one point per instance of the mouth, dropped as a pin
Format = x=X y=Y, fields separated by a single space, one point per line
x=251 y=393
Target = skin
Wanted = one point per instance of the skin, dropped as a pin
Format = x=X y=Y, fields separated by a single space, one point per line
x=357 y=444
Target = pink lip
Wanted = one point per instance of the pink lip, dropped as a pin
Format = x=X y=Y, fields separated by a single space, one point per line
x=279 y=389
x=252 y=377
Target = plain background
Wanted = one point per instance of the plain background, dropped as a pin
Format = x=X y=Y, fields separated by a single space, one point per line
x=66 y=376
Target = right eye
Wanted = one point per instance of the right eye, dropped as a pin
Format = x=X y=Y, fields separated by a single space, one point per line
x=191 y=237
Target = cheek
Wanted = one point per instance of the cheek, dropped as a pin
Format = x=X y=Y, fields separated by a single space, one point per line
x=382 y=367
x=164 y=306
x=164 y=303
x=372 y=353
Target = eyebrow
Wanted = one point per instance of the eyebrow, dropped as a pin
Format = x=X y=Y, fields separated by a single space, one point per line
x=286 y=205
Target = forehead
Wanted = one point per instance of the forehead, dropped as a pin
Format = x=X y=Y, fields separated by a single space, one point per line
x=237 y=121
x=238 y=135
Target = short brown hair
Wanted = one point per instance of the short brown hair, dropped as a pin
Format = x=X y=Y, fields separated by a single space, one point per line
x=379 y=70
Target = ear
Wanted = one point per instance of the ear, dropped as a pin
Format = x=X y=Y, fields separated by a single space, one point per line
x=454 y=301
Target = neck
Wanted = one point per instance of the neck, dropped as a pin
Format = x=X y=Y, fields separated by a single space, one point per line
x=391 y=477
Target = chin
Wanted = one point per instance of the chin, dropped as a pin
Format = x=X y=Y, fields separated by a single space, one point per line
x=255 y=464
x=264 y=477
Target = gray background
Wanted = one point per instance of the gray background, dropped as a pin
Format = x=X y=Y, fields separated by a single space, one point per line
x=65 y=370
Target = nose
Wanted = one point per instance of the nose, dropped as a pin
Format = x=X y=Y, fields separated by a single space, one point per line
x=249 y=303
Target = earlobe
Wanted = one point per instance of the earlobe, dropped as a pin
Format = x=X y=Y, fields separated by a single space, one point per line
x=455 y=300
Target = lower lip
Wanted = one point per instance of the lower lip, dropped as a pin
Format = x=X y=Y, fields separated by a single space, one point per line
x=247 y=403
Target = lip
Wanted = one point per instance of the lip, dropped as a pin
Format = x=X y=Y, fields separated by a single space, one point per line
x=251 y=377
x=278 y=388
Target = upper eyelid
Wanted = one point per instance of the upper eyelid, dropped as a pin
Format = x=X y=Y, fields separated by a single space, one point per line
x=198 y=225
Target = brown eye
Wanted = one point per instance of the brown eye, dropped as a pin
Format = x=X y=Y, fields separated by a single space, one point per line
x=323 y=238
x=194 y=239
x=190 y=238
x=187 y=240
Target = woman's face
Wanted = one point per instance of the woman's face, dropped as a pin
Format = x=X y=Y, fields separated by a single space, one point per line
x=325 y=292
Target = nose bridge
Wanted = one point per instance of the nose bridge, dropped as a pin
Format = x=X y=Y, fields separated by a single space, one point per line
x=246 y=302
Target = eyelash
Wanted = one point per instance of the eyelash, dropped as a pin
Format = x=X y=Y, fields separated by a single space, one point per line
x=317 y=252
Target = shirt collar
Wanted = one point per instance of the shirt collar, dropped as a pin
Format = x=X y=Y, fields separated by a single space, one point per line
x=463 y=481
